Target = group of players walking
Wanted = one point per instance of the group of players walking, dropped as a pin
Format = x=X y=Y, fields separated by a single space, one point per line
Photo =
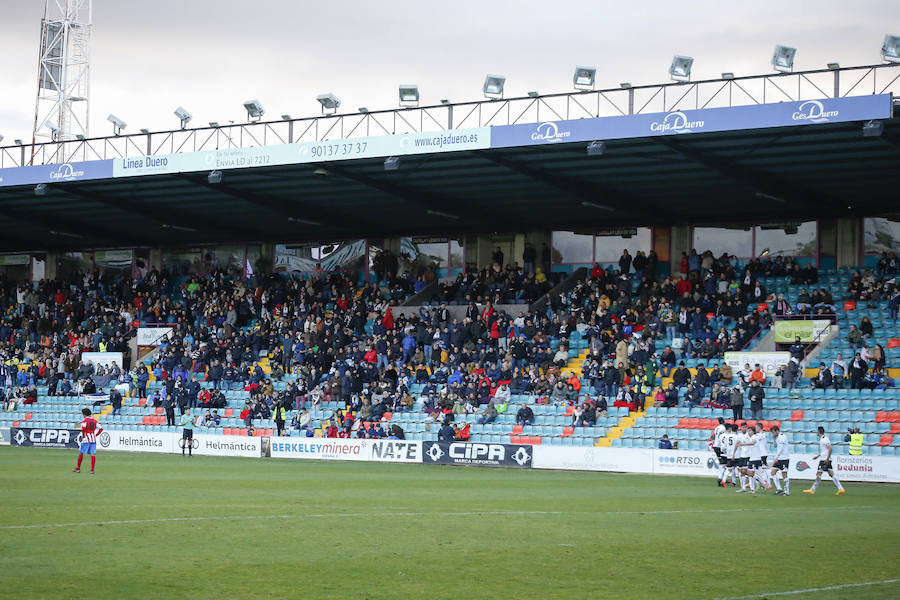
x=743 y=453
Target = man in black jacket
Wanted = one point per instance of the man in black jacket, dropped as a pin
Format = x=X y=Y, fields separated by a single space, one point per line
x=525 y=416
x=756 y=395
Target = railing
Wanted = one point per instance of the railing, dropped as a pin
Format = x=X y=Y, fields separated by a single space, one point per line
x=656 y=98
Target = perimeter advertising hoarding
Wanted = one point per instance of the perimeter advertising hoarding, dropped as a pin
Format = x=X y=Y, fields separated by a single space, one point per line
x=40 y=437
x=319 y=448
x=225 y=445
x=138 y=441
x=4 y=436
x=685 y=122
x=590 y=458
x=475 y=454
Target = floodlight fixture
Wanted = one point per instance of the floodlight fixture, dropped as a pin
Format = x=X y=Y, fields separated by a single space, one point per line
x=834 y=66
x=330 y=102
x=183 y=115
x=409 y=94
x=890 y=49
x=727 y=75
x=533 y=94
x=392 y=163
x=145 y=131
x=493 y=86
x=40 y=189
x=680 y=70
x=872 y=128
x=445 y=101
x=783 y=59
x=255 y=109
x=584 y=77
x=286 y=117
x=363 y=109
x=625 y=85
x=1 y=138
x=596 y=148
x=438 y=213
x=78 y=137
x=598 y=206
x=214 y=177
x=214 y=124
x=18 y=142
x=117 y=123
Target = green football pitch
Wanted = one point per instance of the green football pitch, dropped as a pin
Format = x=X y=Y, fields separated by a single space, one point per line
x=154 y=526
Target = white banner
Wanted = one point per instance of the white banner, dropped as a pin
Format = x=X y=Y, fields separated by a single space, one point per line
x=768 y=361
x=4 y=436
x=406 y=451
x=848 y=468
x=138 y=441
x=102 y=358
x=226 y=445
x=685 y=462
x=153 y=336
x=320 y=448
x=590 y=458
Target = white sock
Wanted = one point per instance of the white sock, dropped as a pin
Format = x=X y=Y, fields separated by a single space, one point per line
x=722 y=474
x=743 y=480
x=765 y=477
x=787 y=485
x=753 y=483
x=816 y=482
x=777 y=481
x=837 y=483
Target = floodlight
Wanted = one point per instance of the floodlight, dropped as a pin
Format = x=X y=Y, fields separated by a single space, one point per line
x=40 y=189
x=625 y=85
x=681 y=68
x=213 y=123
x=873 y=129
x=727 y=75
x=1 y=138
x=834 y=66
x=438 y=213
x=255 y=110
x=598 y=206
x=145 y=131
x=329 y=102
x=117 y=123
x=363 y=109
x=783 y=58
x=18 y=142
x=493 y=86
x=53 y=127
x=409 y=95
x=596 y=148
x=183 y=115
x=214 y=177
x=890 y=49
x=584 y=77
x=78 y=137
x=445 y=101
x=533 y=94
x=392 y=163
x=286 y=117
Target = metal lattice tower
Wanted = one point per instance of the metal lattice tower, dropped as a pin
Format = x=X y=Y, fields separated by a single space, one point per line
x=62 y=106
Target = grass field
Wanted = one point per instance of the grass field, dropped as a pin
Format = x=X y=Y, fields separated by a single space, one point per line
x=209 y=527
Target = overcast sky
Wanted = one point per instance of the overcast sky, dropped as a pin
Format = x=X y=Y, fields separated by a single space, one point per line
x=211 y=55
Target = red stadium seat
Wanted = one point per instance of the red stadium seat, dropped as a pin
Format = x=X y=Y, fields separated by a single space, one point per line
x=142 y=402
x=229 y=412
x=894 y=343
x=797 y=415
x=886 y=440
x=517 y=430
x=570 y=411
x=387 y=416
x=568 y=431
x=850 y=305
x=159 y=410
x=762 y=307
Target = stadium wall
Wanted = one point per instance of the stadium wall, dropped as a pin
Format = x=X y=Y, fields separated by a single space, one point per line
x=882 y=469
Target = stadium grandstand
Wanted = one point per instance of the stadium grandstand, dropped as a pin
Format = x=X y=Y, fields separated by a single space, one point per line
x=525 y=270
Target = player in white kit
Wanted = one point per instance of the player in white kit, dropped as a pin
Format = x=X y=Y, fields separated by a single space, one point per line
x=744 y=446
x=728 y=450
x=782 y=462
x=762 y=441
x=716 y=439
x=825 y=465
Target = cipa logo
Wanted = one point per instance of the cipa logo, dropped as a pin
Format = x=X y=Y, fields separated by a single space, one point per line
x=675 y=122
x=66 y=172
x=549 y=132
x=104 y=440
x=43 y=436
x=813 y=110
x=521 y=456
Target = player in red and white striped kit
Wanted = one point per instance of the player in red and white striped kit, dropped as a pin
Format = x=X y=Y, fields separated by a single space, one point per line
x=90 y=429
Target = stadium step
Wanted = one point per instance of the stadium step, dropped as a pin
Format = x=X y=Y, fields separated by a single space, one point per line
x=616 y=432
x=574 y=364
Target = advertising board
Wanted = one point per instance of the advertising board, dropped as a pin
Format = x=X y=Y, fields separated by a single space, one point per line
x=484 y=455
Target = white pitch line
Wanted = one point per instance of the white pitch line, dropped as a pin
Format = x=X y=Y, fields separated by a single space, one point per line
x=812 y=590
x=412 y=514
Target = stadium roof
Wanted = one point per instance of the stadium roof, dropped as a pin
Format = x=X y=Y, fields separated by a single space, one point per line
x=738 y=177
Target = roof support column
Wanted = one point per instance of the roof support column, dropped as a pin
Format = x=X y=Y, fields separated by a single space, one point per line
x=849 y=242
x=680 y=241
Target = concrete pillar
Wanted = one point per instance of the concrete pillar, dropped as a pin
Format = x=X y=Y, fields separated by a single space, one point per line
x=50 y=266
x=849 y=242
x=155 y=259
x=680 y=241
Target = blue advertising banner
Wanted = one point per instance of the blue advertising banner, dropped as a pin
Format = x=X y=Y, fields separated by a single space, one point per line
x=681 y=122
x=59 y=173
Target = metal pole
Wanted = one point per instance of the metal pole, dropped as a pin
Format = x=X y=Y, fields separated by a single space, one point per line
x=837 y=83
